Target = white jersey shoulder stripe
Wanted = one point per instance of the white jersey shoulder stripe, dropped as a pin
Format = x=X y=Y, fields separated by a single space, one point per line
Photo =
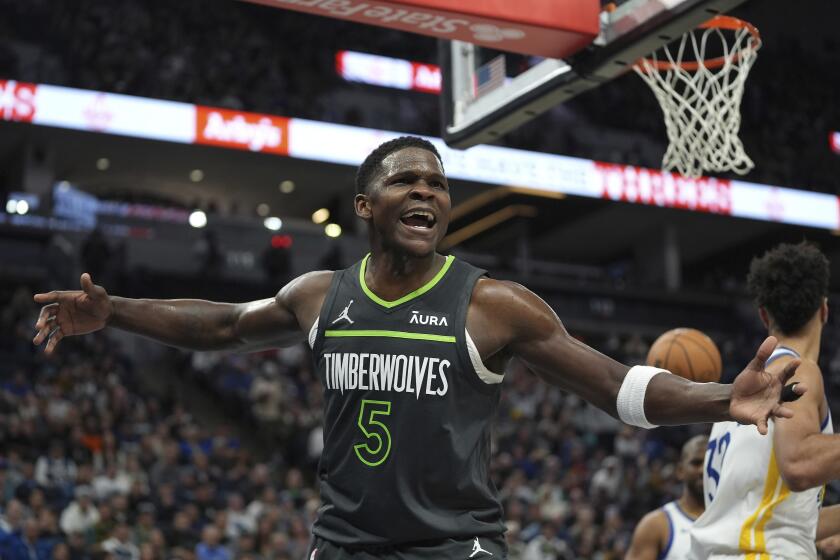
x=313 y=333
x=483 y=372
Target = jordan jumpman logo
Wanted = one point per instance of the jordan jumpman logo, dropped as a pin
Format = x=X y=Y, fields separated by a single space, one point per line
x=477 y=548
x=344 y=314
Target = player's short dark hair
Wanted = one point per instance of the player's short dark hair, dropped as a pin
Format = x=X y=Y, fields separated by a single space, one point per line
x=790 y=282
x=371 y=164
x=689 y=447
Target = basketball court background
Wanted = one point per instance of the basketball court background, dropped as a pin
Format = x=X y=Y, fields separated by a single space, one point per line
x=242 y=111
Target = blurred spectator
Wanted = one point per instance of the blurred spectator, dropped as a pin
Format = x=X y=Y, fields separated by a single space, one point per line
x=13 y=516
x=277 y=261
x=333 y=259
x=607 y=479
x=209 y=547
x=266 y=393
x=26 y=544
x=238 y=520
x=112 y=481
x=547 y=546
x=209 y=254
x=182 y=535
x=55 y=471
x=120 y=544
x=81 y=515
x=96 y=254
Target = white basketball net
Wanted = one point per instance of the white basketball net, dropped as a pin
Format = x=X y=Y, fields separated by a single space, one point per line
x=702 y=105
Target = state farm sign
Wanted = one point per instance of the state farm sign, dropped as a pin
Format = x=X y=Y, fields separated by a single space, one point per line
x=243 y=131
x=646 y=186
x=17 y=101
x=553 y=29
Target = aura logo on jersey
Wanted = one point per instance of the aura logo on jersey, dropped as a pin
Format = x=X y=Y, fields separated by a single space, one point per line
x=418 y=318
x=398 y=373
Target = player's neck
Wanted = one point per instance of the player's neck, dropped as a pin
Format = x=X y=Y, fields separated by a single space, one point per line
x=691 y=506
x=391 y=275
x=805 y=342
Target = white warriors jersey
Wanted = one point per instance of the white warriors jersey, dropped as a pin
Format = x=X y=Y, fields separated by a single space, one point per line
x=751 y=513
x=679 y=527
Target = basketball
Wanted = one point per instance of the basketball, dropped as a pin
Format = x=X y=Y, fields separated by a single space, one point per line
x=688 y=353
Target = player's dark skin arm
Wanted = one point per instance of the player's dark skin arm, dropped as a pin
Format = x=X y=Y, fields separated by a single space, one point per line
x=186 y=323
x=506 y=320
x=650 y=537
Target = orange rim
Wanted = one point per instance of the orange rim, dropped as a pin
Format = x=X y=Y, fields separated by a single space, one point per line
x=720 y=22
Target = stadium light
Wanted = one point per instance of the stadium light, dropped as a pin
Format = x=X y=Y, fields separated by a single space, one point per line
x=332 y=230
x=320 y=215
x=287 y=186
x=198 y=219
x=22 y=207
x=273 y=223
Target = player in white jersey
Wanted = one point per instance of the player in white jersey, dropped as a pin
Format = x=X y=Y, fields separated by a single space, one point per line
x=664 y=534
x=763 y=493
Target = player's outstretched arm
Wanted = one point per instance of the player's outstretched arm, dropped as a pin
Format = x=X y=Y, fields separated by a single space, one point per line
x=806 y=457
x=649 y=538
x=185 y=323
x=510 y=318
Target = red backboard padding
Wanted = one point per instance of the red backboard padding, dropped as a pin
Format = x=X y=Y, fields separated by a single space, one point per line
x=551 y=28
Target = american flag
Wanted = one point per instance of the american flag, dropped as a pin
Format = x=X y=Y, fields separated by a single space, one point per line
x=490 y=76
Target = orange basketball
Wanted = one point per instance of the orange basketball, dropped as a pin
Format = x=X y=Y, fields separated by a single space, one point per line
x=688 y=353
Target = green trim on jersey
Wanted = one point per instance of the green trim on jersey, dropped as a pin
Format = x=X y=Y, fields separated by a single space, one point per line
x=390 y=334
x=416 y=293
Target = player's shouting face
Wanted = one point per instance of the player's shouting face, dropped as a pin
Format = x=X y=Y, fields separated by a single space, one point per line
x=407 y=202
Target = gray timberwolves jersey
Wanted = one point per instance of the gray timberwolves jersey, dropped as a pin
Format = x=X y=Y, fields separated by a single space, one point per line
x=407 y=419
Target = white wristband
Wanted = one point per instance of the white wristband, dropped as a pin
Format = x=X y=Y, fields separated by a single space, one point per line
x=630 y=402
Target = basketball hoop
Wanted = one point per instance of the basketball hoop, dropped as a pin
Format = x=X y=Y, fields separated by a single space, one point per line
x=700 y=97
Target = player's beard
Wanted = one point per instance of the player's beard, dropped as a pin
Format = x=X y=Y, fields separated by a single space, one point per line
x=695 y=488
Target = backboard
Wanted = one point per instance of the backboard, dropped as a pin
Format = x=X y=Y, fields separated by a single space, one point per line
x=487 y=93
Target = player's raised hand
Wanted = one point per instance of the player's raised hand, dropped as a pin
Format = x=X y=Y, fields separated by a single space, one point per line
x=757 y=393
x=68 y=313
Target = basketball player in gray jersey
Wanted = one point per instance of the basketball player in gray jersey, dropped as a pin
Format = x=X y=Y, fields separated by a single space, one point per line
x=410 y=346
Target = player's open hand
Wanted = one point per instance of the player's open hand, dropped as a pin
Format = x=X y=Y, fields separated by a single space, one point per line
x=756 y=393
x=67 y=313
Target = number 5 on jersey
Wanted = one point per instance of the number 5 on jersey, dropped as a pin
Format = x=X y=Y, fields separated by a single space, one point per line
x=378 y=445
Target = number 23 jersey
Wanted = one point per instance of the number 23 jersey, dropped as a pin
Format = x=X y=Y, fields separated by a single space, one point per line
x=750 y=511
x=407 y=414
